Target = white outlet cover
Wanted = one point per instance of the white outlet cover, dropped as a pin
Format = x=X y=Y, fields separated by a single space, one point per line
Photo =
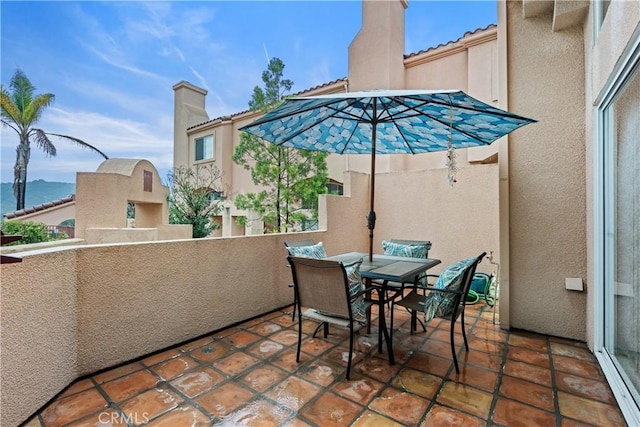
x=573 y=284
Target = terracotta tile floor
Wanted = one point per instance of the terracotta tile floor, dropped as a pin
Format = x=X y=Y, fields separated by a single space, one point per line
x=247 y=375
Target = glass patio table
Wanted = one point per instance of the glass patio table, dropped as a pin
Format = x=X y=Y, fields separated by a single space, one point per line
x=385 y=273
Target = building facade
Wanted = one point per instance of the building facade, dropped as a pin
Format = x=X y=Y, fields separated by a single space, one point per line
x=470 y=63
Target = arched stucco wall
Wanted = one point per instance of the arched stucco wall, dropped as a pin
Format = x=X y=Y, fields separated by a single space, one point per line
x=102 y=197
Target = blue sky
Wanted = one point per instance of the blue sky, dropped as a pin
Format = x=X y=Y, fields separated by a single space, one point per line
x=112 y=65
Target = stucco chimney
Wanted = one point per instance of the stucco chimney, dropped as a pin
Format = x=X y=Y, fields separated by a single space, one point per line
x=376 y=54
x=188 y=110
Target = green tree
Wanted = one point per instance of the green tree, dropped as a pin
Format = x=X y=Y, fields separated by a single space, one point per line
x=20 y=110
x=194 y=198
x=31 y=232
x=290 y=178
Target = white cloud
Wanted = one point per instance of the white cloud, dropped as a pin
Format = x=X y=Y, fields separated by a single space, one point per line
x=108 y=59
x=125 y=102
x=199 y=76
x=117 y=138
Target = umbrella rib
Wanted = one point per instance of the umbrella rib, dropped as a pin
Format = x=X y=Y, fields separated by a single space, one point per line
x=266 y=118
x=471 y=136
x=360 y=120
x=392 y=120
x=493 y=112
x=316 y=122
x=349 y=140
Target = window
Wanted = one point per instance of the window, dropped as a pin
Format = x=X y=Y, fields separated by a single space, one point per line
x=334 y=188
x=147 y=181
x=204 y=148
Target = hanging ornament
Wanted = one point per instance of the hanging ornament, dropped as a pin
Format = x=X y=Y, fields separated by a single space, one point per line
x=451 y=153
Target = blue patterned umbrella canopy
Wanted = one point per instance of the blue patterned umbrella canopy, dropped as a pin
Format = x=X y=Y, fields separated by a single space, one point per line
x=385 y=122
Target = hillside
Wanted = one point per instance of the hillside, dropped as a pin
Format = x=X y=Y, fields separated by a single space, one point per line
x=38 y=192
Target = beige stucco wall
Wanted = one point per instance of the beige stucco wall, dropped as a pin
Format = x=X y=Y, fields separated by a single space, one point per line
x=38 y=333
x=71 y=311
x=101 y=204
x=460 y=222
x=547 y=189
x=188 y=110
x=376 y=52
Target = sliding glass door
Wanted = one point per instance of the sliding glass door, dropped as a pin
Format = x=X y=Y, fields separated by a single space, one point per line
x=620 y=120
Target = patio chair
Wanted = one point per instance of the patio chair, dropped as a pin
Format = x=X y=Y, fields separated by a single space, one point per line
x=445 y=299
x=331 y=293
x=408 y=248
x=307 y=248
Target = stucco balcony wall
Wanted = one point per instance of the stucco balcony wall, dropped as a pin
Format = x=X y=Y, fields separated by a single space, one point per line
x=67 y=312
x=71 y=311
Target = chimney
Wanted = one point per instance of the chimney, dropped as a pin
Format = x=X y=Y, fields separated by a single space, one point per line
x=376 y=54
x=188 y=110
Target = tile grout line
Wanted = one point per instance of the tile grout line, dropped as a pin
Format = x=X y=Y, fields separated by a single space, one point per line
x=503 y=363
x=554 y=385
x=446 y=377
x=110 y=403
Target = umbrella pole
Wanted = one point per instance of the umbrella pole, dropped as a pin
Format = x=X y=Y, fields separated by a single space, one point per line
x=371 y=217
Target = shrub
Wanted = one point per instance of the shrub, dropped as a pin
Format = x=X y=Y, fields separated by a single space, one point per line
x=31 y=232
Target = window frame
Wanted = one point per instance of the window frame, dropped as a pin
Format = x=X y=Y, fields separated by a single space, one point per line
x=202 y=140
x=627 y=68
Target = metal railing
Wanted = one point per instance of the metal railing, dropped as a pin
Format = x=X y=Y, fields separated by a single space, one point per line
x=57 y=230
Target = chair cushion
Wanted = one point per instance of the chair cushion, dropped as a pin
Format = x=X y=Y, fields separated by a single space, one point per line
x=441 y=304
x=419 y=250
x=358 y=306
x=311 y=251
x=397 y=249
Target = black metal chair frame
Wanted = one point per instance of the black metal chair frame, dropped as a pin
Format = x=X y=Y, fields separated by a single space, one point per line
x=414 y=283
x=414 y=302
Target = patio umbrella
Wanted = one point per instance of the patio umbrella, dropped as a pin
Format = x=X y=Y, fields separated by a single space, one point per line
x=385 y=122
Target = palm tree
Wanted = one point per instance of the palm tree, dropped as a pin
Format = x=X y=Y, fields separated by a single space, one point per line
x=20 y=110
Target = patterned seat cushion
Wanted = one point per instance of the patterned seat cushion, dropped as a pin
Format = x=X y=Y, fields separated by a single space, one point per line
x=397 y=249
x=311 y=251
x=358 y=306
x=441 y=304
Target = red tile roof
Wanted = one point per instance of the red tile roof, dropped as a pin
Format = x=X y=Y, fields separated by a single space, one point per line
x=466 y=34
x=41 y=207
